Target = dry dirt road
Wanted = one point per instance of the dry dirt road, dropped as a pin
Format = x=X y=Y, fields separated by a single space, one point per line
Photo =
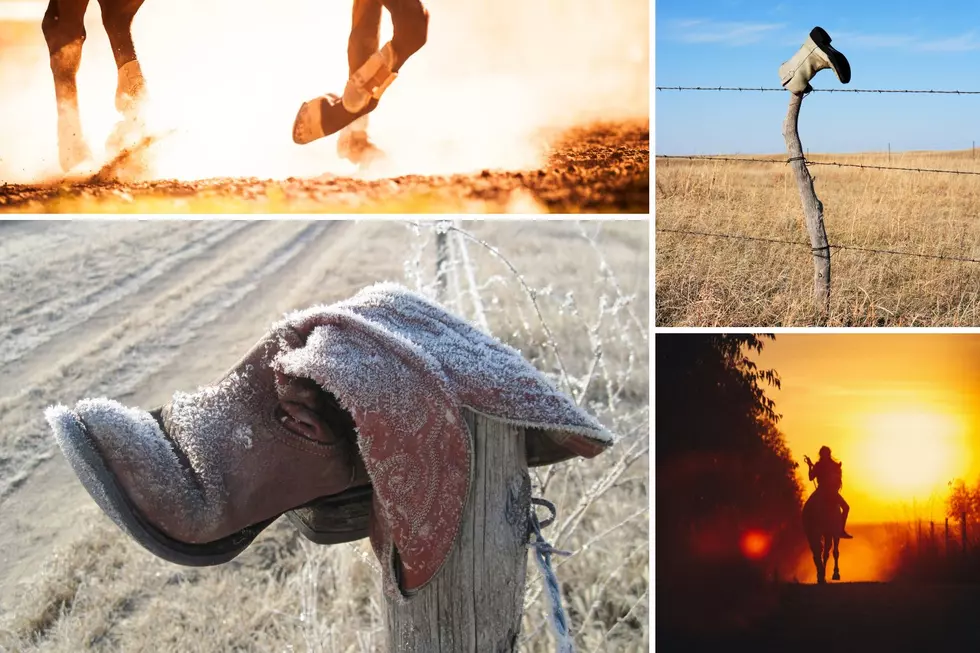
x=603 y=168
x=846 y=616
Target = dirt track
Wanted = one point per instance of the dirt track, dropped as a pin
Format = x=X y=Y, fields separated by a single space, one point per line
x=847 y=617
x=599 y=169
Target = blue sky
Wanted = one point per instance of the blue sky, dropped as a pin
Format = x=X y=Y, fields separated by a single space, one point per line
x=895 y=44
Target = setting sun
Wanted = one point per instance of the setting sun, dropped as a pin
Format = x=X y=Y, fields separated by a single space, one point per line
x=899 y=412
x=913 y=451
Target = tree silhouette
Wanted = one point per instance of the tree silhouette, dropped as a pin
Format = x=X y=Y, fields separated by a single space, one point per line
x=723 y=467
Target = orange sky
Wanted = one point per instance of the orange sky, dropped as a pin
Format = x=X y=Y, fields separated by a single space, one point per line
x=902 y=411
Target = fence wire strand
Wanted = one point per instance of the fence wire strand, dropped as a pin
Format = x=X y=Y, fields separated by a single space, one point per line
x=762 y=89
x=855 y=248
x=807 y=162
x=839 y=164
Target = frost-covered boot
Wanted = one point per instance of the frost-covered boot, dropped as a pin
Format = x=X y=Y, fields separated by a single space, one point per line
x=195 y=481
x=815 y=55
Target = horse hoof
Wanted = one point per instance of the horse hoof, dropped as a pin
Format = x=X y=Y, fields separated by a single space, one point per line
x=356 y=147
x=71 y=156
x=836 y=576
x=324 y=116
x=126 y=133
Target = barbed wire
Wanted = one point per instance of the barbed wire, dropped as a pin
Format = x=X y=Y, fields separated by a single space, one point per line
x=763 y=89
x=856 y=248
x=839 y=164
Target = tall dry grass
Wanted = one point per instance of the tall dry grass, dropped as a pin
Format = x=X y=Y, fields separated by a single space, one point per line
x=705 y=281
x=580 y=296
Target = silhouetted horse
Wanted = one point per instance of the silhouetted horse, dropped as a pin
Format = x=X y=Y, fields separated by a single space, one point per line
x=822 y=525
x=371 y=71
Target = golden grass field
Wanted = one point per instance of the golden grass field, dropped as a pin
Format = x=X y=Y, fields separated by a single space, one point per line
x=137 y=310
x=708 y=281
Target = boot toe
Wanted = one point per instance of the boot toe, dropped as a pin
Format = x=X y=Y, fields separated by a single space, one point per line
x=108 y=443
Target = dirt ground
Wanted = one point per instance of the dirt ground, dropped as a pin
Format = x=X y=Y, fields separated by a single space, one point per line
x=136 y=310
x=847 y=617
x=602 y=168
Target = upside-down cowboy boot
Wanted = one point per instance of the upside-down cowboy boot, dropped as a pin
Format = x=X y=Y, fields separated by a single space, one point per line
x=195 y=481
x=815 y=55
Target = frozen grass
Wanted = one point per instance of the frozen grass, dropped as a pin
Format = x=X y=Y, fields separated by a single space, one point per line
x=705 y=281
x=586 y=285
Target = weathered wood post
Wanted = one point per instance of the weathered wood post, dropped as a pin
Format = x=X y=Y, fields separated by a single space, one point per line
x=475 y=603
x=812 y=207
x=442 y=264
x=946 y=548
x=963 y=530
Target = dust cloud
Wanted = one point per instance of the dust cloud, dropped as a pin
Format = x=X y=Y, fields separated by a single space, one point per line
x=227 y=76
x=872 y=556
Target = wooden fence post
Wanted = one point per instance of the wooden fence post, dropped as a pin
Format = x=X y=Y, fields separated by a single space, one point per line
x=963 y=530
x=442 y=264
x=476 y=600
x=812 y=208
x=946 y=548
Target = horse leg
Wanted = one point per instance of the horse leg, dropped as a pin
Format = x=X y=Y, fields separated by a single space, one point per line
x=815 y=549
x=836 y=575
x=329 y=114
x=826 y=554
x=410 y=27
x=64 y=31
x=353 y=143
x=117 y=18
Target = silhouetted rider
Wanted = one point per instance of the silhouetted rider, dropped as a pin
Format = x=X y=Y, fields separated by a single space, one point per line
x=830 y=479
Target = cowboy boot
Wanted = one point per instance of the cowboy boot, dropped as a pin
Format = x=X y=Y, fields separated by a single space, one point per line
x=815 y=55
x=843 y=522
x=195 y=481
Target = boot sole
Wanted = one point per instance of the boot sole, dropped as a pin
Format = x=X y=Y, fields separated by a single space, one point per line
x=837 y=60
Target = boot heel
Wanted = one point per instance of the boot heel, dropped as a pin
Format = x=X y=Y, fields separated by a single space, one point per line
x=335 y=519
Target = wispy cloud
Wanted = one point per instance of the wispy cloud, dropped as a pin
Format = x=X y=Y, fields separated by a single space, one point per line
x=962 y=43
x=741 y=33
x=724 y=33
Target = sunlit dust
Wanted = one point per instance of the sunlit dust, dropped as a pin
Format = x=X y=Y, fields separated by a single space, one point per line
x=755 y=544
x=491 y=85
x=911 y=452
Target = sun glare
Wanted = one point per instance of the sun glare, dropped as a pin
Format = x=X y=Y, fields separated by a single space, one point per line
x=226 y=78
x=755 y=544
x=910 y=453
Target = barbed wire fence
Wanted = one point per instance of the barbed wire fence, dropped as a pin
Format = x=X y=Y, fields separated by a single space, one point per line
x=809 y=162
x=763 y=89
